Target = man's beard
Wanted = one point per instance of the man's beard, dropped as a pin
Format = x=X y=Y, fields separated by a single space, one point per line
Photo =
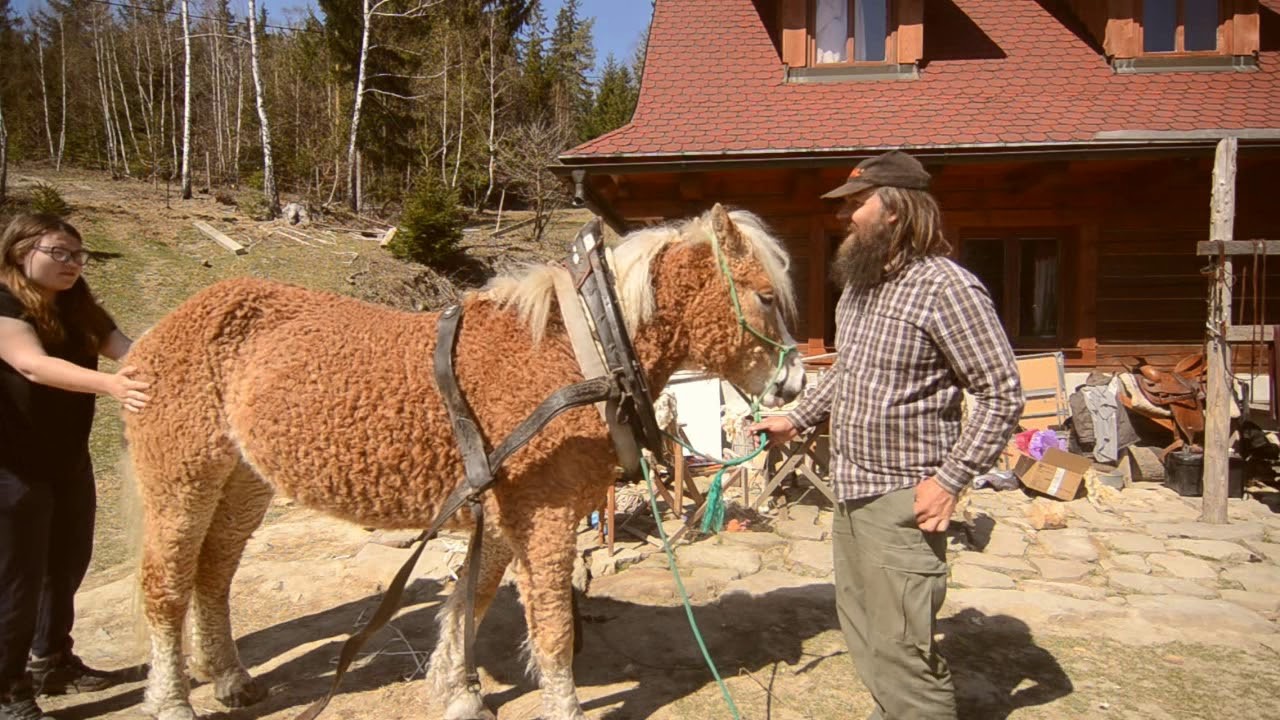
x=860 y=260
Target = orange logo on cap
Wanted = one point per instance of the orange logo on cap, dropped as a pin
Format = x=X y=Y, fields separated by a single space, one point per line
x=857 y=172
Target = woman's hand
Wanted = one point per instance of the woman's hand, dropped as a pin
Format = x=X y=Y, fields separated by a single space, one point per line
x=129 y=391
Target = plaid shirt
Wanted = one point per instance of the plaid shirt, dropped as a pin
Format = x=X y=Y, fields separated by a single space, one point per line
x=905 y=350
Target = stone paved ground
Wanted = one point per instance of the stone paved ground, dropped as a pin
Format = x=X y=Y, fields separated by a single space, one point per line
x=1133 y=610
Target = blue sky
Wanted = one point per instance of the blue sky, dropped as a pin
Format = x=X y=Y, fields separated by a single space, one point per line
x=618 y=27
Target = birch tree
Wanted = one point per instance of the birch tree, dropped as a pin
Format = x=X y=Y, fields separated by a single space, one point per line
x=186 y=102
x=268 y=171
x=4 y=154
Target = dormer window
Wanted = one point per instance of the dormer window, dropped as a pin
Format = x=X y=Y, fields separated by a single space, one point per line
x=850 y=31
x=1180 y=26
x=843 y=40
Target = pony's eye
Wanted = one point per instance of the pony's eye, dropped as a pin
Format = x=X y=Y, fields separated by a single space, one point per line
x=766 y=299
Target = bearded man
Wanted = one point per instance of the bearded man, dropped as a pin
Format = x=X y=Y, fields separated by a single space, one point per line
x=914 y=329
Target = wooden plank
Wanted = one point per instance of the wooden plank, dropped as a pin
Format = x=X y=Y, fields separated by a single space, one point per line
x=1217 y=422
x=386 y=239
x=794 y=17
x=910 y=31
x=219 y=238
x=1246 y=28
x=1249 y=333
x=1238 y=247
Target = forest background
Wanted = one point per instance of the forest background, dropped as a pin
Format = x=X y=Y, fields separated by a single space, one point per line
x=418 y=111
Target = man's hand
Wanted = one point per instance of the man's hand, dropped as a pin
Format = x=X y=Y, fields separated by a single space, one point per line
x=777 y=427
x=933 y=506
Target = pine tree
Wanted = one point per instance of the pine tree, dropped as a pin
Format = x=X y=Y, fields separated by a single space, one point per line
x=615 y=100
x=572 y=57
x=535 y=66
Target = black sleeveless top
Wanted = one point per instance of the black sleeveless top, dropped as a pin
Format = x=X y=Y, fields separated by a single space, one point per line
x=44 y=431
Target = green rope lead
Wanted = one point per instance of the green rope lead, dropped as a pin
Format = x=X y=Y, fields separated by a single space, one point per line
x=684 y=595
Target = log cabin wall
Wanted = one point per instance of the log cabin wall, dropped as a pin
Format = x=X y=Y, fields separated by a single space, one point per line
x=1110 y=243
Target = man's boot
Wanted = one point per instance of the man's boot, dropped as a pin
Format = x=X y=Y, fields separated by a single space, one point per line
x=65 y=673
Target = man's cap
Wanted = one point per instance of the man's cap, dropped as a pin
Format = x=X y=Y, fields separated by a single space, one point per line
x=892 y=169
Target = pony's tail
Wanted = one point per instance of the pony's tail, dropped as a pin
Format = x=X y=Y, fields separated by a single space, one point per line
x=133 y=520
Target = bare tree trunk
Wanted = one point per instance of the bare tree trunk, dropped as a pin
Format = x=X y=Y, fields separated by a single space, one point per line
x=444 y=119
x=354 y=195
x=103 y=88
x=215 y=98
x=462 y=116
x=124 y=98
x=62 y=129
x=186 y=103
x=493 y=114
x=146 y=100
x=44 y=94
x=268 y=171
x=235 y=154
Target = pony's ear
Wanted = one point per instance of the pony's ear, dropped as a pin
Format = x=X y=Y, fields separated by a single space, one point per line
x=727 y=233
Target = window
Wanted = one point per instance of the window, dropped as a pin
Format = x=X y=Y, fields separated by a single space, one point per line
x=1021 y=270
x=1180 y=26
x=850 y=31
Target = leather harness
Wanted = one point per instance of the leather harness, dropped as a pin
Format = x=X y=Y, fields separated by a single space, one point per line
x=621 y=392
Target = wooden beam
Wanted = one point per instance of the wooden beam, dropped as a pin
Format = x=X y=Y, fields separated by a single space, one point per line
x=1245 y=28
x=1249 y=333
x=1238 y=247
x=1217 y=422
x=219 y=238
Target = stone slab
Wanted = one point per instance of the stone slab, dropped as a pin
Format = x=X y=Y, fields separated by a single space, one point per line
x=1268 y=550
x=757 y=540
x=1255 y=577
x=1127 y=563
x=1060 y=544
x=1266 y=603
x=1073 y=590
x=811 y=555
x=767 y=581
x=1183 y=566
x=1150 y=585
x=1219 y=550
x=1132 y=542
x=1068 y=570
x=971 y=576
x=799 y=529
x=1006 y=541
x=743 y=559
x=1194 y=613
x=1203 y=531
x=1003 y=563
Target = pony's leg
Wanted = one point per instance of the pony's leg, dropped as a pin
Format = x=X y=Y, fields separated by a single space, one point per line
x=244 y=503
x=544 y=574
x=170 y=550
x=447 y=676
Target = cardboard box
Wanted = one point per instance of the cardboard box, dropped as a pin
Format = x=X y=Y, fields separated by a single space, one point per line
x=1058 y=474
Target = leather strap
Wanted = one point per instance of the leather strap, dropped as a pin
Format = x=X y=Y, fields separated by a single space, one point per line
x=632 y=424
x=583 y=393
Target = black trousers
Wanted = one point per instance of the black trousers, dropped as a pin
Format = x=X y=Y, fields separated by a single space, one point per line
x=46 y=540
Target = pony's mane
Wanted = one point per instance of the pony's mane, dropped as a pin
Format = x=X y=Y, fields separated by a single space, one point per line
x=532 y=292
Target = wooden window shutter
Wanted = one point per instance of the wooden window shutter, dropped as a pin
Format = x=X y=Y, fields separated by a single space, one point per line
x=910 y=31
x=794 y=20
x=1124 y=31
x=1244 y=28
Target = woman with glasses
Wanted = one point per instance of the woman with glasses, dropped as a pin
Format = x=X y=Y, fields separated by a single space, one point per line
x=51 y=334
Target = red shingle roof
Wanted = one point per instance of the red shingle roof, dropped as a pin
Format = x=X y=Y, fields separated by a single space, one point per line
x=713 y=85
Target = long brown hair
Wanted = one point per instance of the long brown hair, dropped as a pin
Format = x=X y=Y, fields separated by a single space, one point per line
x=75 y=306
x=917 y=232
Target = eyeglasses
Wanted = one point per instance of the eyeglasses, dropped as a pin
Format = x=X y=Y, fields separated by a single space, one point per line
x=64 y=256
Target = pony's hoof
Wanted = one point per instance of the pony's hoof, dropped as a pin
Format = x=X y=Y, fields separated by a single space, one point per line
x=182 y=712
x=241 y=694
x=468 y=707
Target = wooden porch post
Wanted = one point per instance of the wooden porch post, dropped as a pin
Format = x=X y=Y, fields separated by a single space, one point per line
x=1217 y=423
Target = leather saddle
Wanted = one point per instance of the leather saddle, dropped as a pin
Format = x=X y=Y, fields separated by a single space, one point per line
x=1179 y=389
